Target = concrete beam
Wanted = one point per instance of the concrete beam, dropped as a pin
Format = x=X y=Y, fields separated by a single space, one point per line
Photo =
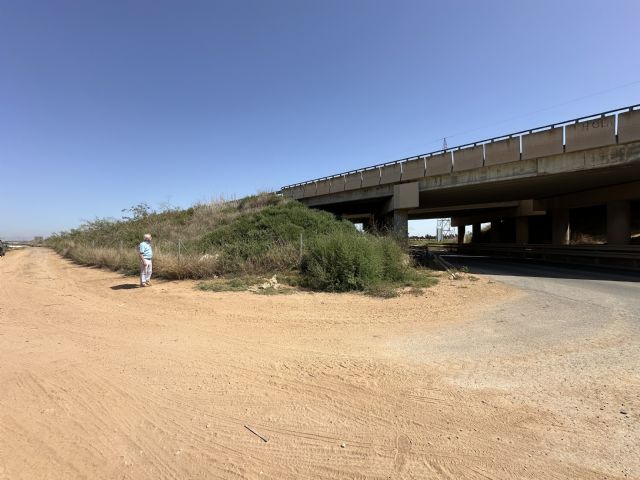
x=458 y=208
x=502 y=182
x=524 y=208
x=618 y=223
x=589 y=198
x=462 y=230
x=405 y=197
x=615 y=155
x=484 y=217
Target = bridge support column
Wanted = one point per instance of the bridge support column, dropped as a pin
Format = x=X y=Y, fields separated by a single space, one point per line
x=461 y=232
x=619 y=223
x=522 y=230
x=477 y=230
x=495 y=232
x=560 y=228
x=400 y=224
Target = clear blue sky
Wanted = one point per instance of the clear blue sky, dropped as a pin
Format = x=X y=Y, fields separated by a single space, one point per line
x=107 y=104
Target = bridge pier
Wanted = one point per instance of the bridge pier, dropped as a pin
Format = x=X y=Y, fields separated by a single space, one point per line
x=619 y=223
x=400 y=224
x=522 y=230
x=495 y=232
x=476 y=232
x=461 y=233
x=560 y=226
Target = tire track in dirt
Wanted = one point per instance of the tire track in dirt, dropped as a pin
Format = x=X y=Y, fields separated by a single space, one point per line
x=158 y=384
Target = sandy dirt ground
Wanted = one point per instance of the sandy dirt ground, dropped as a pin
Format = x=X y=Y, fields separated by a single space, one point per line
x=99 y=380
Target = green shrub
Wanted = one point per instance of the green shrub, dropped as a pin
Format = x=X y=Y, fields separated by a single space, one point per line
x=269 y=239
x=341 y=261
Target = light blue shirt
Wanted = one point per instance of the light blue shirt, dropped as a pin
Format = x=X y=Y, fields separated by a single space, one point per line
x=145 y=249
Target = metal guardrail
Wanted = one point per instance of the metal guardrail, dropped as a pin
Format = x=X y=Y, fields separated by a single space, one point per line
x=614 y=112
x=619 y=256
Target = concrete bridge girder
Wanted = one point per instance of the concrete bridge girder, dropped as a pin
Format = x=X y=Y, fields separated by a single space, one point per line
x=525 y=188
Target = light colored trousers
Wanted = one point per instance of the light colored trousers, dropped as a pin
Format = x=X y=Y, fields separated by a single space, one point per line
x=145 y=271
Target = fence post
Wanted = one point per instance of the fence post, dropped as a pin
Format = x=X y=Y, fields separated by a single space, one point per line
x=179 y=247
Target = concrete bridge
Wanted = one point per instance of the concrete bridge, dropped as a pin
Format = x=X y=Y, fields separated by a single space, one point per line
x=526 y=183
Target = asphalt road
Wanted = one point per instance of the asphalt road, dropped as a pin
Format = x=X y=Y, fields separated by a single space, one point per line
x=601 y=288
x=567 y=344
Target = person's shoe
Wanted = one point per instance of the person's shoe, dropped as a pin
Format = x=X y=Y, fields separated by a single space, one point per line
x=143 y=285
x=148 y=284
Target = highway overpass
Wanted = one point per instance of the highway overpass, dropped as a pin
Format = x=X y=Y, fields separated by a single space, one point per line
x=526 y=183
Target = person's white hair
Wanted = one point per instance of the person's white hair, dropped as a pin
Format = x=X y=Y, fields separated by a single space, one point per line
x=147 y=236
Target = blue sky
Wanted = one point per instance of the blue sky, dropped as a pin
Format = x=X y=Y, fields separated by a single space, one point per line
x=107 y=104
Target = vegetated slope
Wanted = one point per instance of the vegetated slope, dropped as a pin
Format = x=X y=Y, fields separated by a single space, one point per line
x=261 y=234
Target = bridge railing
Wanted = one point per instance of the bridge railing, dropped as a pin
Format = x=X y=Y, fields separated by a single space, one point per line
x=613 y=127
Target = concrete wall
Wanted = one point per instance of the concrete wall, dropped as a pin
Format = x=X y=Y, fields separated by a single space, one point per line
x=352 y=181
x=629 y=127
x=391 y=174
x=371 y=178
x=468 y=158
x=590 y=134
x=323 y=187
x=309 y=190
x=337 y=184
x=439 y=164
x=503 y=151
x=413 y=169
x=542 y=144
x=297 y=193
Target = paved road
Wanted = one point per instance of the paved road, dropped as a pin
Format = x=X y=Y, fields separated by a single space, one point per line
x=568 y=344
x=617 y=291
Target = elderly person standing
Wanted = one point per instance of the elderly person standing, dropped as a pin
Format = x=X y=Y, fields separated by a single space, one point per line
x=146 y=256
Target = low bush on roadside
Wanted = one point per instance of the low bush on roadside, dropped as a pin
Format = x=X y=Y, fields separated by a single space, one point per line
x=340 y=262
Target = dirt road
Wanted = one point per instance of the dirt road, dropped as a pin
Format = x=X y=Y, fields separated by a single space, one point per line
x=102 y=381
